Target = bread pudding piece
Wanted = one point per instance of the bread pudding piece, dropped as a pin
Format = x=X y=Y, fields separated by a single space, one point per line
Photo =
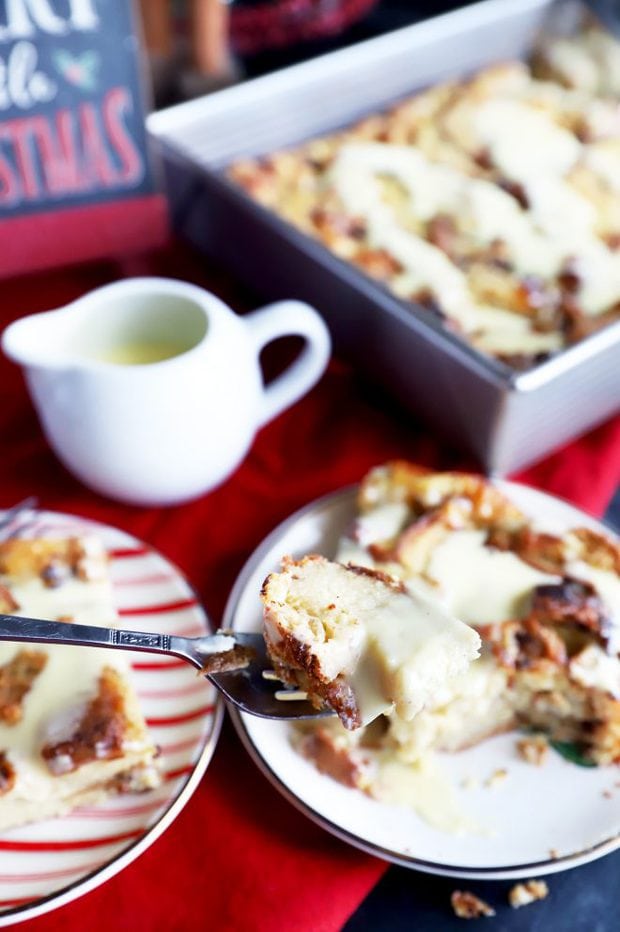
x=71 y=730
x=359 y=641
x=546 y=607
x=494 y=201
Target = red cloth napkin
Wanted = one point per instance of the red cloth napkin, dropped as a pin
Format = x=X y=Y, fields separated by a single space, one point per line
x=239 y=856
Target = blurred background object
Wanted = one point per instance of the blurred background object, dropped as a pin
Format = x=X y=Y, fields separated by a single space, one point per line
x=196 y=46
x=76 y=180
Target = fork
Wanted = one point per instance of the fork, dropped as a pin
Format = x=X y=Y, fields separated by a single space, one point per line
x=247 y=688
x=17 y=511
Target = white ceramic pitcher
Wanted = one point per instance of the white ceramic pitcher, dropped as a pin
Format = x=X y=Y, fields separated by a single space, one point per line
x=165 y=431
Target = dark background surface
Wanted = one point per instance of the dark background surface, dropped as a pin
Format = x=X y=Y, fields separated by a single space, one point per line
x=585 y=898
x=387 y=15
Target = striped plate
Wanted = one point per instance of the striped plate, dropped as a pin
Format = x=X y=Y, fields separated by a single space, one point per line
x=48 y=864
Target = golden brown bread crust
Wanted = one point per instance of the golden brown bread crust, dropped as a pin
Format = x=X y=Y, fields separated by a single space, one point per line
x=572 y=602
x=52 y=560
x=424 y=491
x=102 y=733
x=7 y=602
x=16 y=679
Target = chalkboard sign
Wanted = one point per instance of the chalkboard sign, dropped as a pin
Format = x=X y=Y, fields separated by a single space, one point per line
x=71 y=125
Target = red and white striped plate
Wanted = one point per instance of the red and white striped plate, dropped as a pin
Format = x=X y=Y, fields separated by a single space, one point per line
x=48 y=864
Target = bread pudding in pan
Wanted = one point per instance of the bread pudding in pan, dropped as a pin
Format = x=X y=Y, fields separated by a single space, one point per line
x=71 y=730
x=547 y=610
x=493 y=201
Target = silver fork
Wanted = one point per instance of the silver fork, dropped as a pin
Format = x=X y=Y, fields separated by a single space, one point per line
x=247 y=687
x=17 y=511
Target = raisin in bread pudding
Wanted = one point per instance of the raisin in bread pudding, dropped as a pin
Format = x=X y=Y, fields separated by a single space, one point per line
x=71 y=730
x=547 y=608
x=492 y=201
x=359 y=641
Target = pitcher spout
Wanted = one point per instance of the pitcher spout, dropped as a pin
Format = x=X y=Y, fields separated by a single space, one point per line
x=40 y=340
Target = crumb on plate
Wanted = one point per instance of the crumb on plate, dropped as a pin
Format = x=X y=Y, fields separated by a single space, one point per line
x=470 y=783
x=497 y=777
x=467 y=905
x=533 y=749
x=522 y=894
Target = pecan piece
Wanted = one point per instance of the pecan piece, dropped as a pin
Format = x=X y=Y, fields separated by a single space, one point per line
x=99 y=735
x=7 y=774
x=16 y=679
x=571 y=601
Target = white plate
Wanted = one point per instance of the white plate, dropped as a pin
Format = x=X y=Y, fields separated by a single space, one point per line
x=543 y=819
x=48 y=864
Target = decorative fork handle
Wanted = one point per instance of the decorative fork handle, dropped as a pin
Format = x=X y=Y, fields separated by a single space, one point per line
x=38 y=631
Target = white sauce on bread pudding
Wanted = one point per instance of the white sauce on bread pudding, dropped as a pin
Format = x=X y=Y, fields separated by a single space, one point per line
x=480 y=584
x=558 y=226
x=392 y=648
x=59 y=695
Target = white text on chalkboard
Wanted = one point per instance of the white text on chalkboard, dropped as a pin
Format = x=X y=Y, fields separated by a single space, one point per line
x=25 y=17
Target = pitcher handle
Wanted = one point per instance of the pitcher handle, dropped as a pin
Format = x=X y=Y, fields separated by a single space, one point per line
x=290 y=318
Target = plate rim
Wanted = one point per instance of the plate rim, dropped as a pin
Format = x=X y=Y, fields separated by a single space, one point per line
x=90 y=881
x=508 y=872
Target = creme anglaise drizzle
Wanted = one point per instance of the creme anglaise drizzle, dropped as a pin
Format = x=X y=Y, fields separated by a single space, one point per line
x=559 y=225
x=60 y=693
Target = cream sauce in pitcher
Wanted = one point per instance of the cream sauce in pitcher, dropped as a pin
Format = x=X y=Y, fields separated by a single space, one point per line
x=150 y=390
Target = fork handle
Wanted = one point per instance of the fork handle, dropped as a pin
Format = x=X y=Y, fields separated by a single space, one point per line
x=38 y=631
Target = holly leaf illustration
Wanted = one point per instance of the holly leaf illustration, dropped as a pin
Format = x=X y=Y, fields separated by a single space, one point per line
x=80 y=70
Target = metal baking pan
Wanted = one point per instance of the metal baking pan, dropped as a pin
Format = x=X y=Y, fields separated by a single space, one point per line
x=506 y=419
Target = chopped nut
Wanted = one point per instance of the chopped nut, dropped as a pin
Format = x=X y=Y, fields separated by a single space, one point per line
x=7 y=602
x=54 y=573
x=7 y=774
x=522 y=894
x=100 y=733
x=468 y=906
x=497 y=777
x=533 y=749
x=139 y=779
